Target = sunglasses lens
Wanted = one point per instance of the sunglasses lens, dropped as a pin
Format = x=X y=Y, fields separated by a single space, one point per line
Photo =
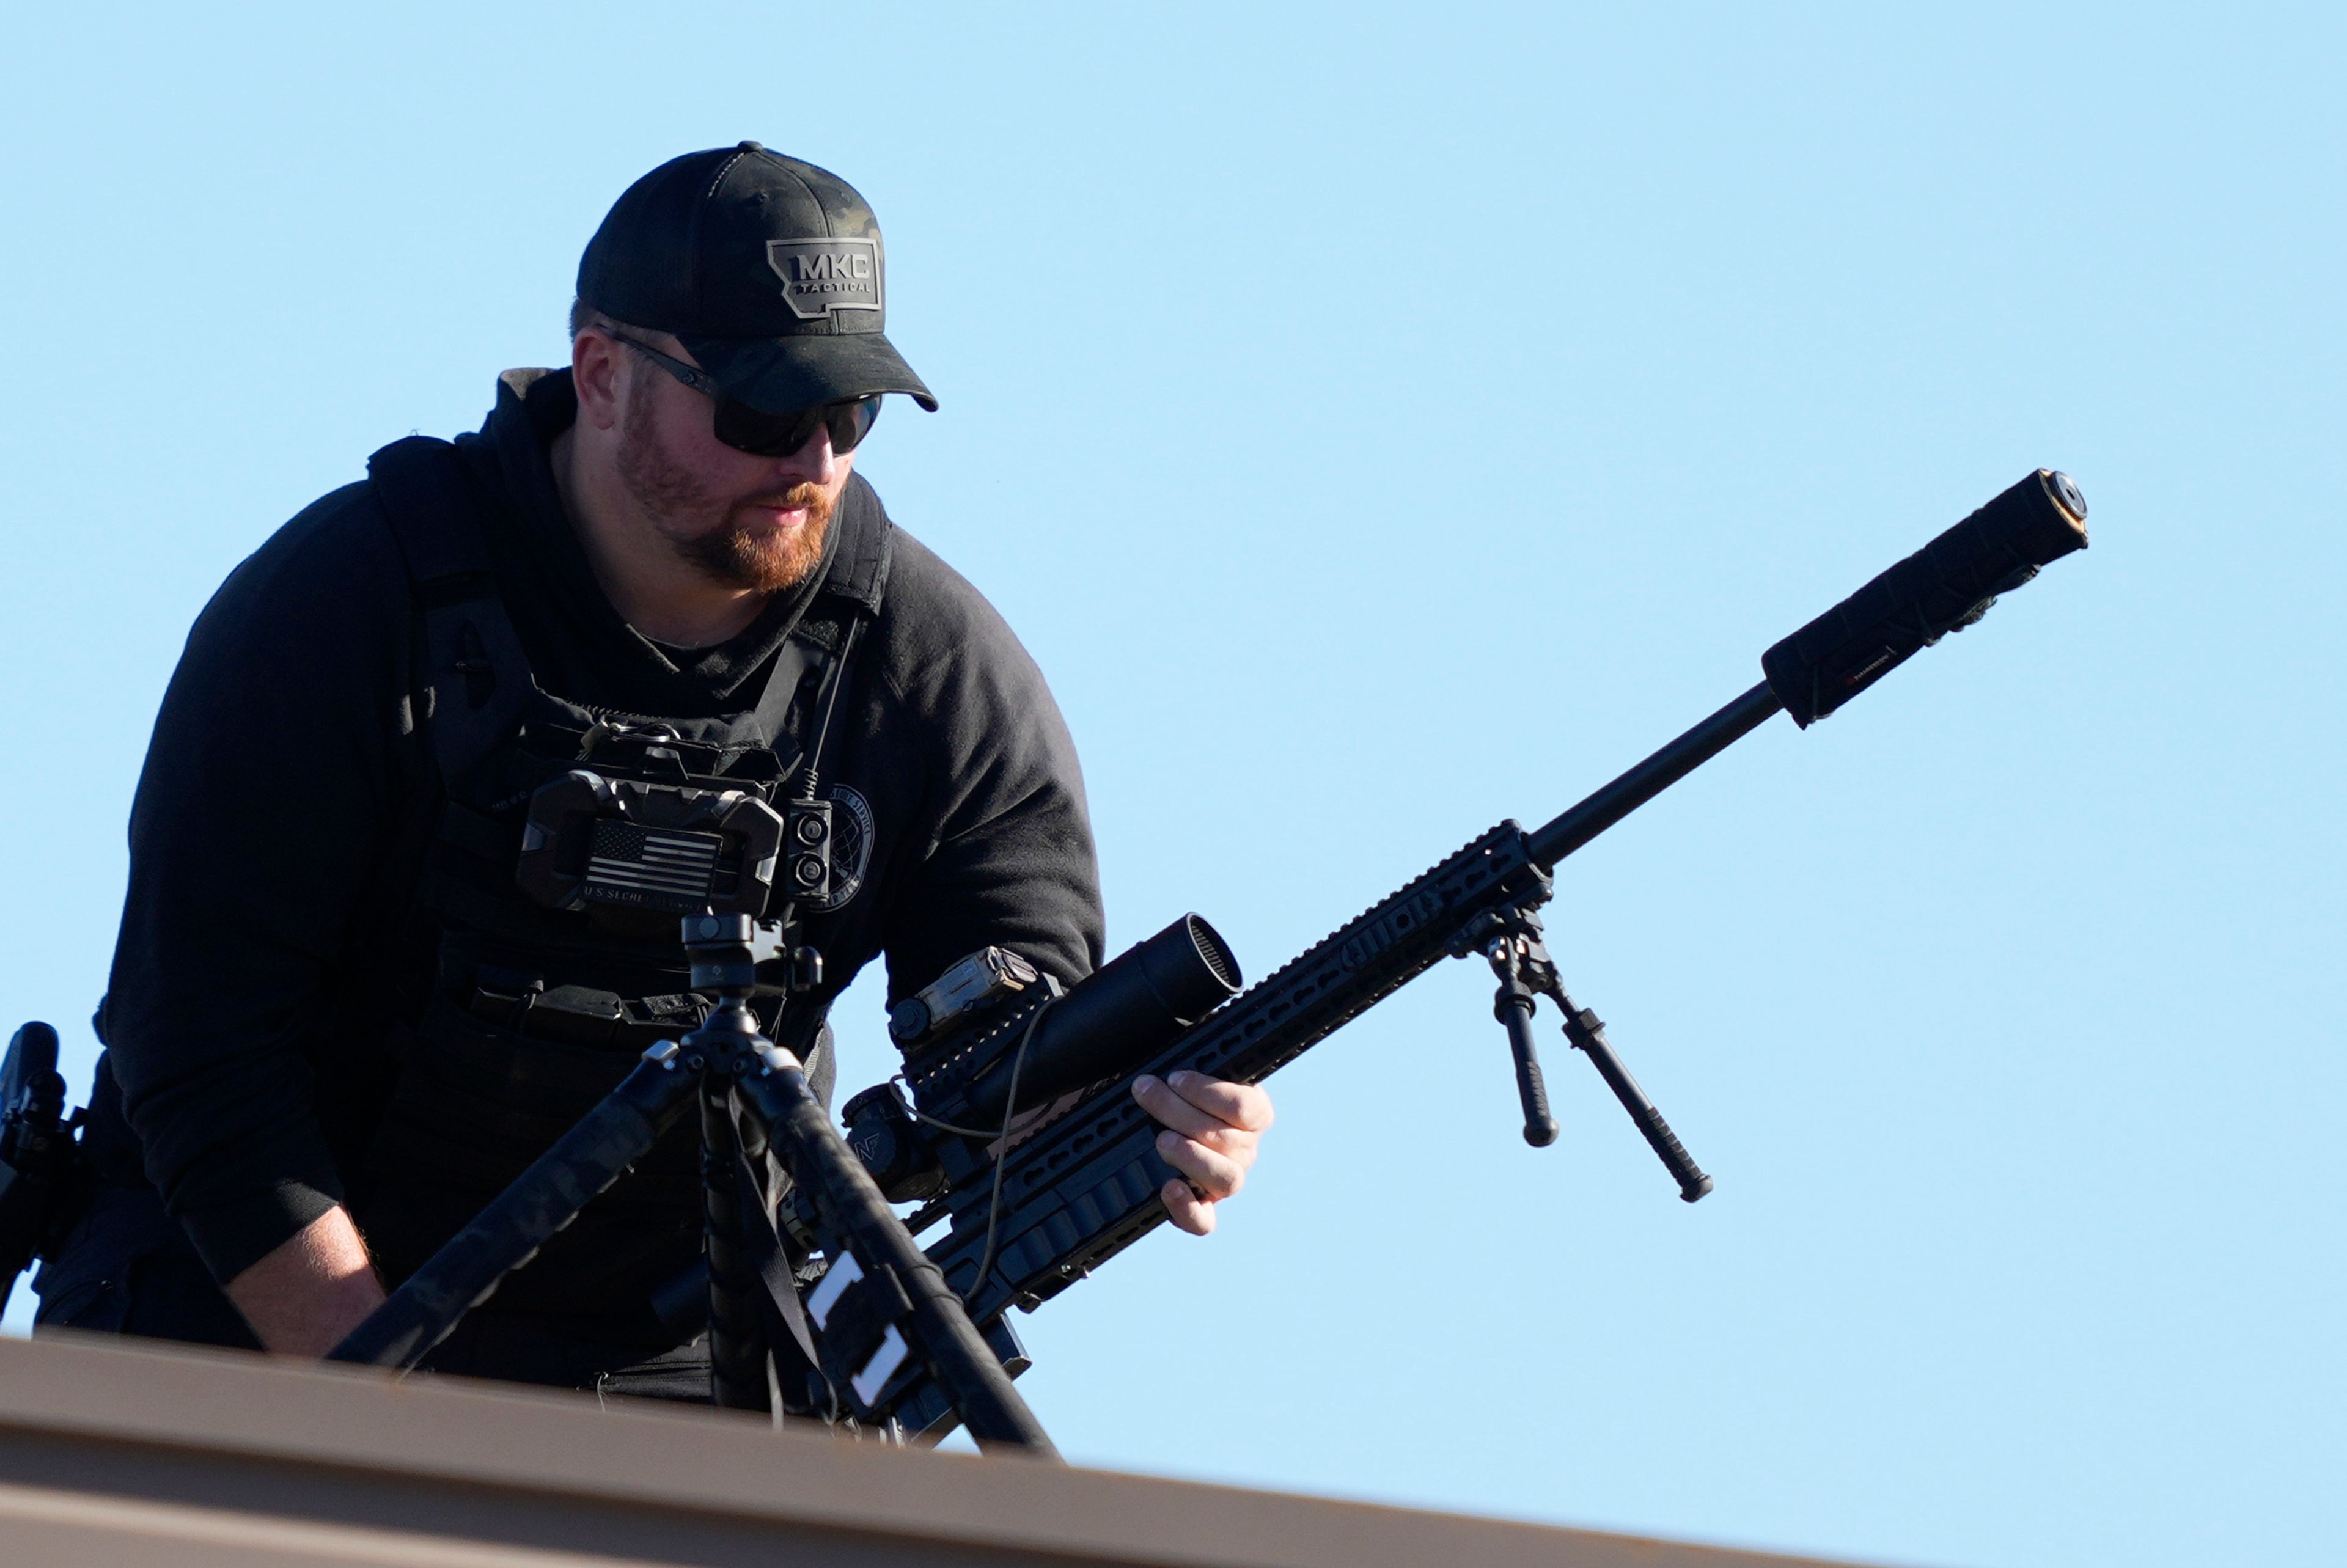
x=852 y=422
x=765 y=435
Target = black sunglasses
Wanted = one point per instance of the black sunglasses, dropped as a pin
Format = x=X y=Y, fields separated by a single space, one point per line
x=759 y=433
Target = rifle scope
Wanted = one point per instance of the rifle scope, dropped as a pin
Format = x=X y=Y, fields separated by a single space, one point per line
x=1125 y=1011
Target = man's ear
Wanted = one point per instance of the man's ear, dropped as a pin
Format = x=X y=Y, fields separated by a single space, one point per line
x=596 y=375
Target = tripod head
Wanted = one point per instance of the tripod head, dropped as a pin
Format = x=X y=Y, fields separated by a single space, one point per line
x=734 y=957
x=725 y=951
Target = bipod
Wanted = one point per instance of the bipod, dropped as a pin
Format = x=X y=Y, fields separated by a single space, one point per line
x=1511 y=941
x=880 y=1301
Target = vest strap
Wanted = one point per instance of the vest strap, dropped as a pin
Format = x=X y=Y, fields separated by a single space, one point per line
x=476 y=680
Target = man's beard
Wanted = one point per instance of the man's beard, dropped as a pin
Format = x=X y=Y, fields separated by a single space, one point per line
x=736 y=551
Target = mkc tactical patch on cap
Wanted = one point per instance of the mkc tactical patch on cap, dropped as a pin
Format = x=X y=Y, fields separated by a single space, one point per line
x=820 y=276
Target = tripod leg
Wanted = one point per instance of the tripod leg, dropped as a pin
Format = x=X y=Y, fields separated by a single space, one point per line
x=509 y=1232
x=737 y=1342
x=792 y=1361
x=943 y=1336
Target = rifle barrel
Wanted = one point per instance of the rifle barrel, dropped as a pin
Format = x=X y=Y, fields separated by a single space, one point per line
x=1578 y=824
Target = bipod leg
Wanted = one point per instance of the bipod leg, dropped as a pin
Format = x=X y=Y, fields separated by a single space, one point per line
x=1586 y=1031
x=1507 y=951
x=508 y=1234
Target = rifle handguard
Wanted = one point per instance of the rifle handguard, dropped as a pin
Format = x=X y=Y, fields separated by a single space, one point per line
x=1944 y=587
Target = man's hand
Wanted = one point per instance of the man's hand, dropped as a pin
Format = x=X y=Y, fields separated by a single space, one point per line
x=317 y=1286
x=1211 y=1131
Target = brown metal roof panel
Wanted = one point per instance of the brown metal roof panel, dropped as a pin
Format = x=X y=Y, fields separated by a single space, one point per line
x=195 y=1453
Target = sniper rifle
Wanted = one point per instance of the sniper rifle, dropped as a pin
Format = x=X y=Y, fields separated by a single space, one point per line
x=1020 y=1129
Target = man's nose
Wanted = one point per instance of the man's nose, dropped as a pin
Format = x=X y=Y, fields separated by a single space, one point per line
x=815 y=462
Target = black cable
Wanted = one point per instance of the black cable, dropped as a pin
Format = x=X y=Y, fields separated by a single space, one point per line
x=830 y=705
x=1002 y=1146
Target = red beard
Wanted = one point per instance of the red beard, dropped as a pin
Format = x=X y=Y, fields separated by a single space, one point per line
x=734 y=550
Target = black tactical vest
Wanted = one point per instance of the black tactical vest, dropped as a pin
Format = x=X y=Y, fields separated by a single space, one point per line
x=539 y=1009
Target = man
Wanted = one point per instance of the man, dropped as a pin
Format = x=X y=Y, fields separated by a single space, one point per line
x=344 y=1008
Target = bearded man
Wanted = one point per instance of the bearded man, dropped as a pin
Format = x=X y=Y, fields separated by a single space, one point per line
x=339 y=1021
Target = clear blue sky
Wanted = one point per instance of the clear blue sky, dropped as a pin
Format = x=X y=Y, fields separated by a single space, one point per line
x=1378 y=421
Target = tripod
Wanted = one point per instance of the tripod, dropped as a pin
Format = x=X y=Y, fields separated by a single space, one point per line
x=880 y=1302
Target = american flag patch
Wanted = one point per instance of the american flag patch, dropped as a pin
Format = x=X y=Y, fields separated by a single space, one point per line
x=631 y=864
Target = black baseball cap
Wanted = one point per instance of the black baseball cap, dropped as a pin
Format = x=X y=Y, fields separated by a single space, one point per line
x=769 y=271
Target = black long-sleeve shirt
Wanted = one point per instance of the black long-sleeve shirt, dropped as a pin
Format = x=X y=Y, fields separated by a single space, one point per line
x=272 y=837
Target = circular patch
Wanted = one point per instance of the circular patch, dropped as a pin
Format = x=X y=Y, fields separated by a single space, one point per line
x=851 y=849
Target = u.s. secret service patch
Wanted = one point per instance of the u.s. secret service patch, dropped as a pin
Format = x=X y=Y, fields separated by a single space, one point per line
x=851 y=848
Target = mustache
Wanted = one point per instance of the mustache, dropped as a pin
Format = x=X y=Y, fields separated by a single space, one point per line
x=809 y=496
